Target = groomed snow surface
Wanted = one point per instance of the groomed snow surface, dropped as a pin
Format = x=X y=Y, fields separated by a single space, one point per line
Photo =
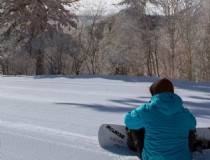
x=57 y=117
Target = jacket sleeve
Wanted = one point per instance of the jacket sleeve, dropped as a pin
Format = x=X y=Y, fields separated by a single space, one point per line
x=192 y=121
x=133 y=119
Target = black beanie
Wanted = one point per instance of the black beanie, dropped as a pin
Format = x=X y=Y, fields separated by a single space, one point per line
x=160 y=86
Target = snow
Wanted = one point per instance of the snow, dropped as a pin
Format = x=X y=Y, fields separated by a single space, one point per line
x=57 y=117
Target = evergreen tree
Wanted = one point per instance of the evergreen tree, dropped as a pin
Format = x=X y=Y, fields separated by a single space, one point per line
x=37 y=17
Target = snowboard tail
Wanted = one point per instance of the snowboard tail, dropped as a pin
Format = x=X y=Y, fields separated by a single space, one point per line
x=202 y=139
x=112 y=137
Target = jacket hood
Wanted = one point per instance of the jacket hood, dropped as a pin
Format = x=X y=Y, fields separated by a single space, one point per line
x=167 y=103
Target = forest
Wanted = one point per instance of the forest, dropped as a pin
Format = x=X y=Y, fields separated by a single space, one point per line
x=163 y=38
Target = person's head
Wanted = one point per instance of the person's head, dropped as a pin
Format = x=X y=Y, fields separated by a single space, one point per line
x=161 y=85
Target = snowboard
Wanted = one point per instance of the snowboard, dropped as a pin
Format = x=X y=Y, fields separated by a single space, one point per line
x=113 y=137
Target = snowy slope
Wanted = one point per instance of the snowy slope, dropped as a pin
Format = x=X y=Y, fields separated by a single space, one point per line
x=57 y=118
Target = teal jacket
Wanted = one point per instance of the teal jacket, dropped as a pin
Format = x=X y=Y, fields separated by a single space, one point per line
x=167 y=124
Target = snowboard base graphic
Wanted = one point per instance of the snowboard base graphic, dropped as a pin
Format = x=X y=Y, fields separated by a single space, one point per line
x=113 y=137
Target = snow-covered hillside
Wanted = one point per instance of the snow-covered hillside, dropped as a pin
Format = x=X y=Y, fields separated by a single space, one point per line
x=57 y=118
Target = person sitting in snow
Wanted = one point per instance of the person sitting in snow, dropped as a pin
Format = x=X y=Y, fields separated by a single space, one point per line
x=162 y=129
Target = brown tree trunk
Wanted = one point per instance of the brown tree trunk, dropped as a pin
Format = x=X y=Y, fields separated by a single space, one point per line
x=40 y=63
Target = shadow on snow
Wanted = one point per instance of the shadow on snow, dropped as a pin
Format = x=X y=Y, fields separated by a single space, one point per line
x=200 y=105
x=99 y=107
x=119 y=107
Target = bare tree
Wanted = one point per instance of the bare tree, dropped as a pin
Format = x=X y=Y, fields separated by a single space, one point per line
x=206 y=38
x=171 y=10
x=93 y=33
x=58 y=52
x=189 y=34
x=146 y=33
x=79 y=54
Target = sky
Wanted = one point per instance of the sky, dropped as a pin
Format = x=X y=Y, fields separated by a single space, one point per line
x=58 y=117
x=108 y=6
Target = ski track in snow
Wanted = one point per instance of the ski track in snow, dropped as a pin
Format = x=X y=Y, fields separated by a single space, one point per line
x=52 y=137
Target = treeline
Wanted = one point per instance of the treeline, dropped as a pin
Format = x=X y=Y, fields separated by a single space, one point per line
x=171 y=39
